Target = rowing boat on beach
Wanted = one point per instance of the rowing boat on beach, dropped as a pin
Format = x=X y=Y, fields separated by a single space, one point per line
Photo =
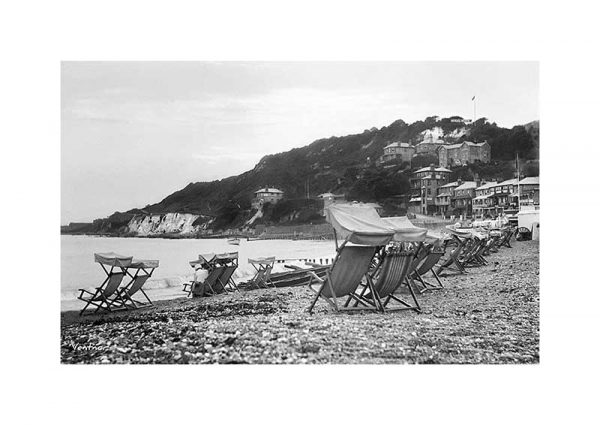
x=233 y=241
x=294 y=277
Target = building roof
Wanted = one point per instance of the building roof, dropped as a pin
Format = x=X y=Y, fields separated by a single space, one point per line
x=454 y=146
x=530 y=180
x=453 y=184
x=487 y=185
x=329 y=195
x=458 y=145
x=508 y=182
x=467 y=185
x=431 y=141
x=268 y=190
x=399 y=145
x=438 y=169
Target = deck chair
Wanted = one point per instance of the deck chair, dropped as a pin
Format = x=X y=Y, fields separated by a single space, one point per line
x=509 y=233
x=230 y=262
x=391 y=275
x=193 y=288
x=472 y=256
x=435 y=253
x=452 y=262
x=106 y=297
x=262 y=278
x=143 y=271
x=349 y=267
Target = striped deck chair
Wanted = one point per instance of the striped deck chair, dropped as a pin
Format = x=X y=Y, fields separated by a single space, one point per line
x=106 y=296
x=435 y=253
x=143 y=271
x=349 y=267
x=392 y=274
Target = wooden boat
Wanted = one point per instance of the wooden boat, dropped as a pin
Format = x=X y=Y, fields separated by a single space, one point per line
x=233 y=241
x=295 y=277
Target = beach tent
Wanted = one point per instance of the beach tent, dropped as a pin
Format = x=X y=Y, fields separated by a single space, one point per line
x=359 y=224
x=405 y=231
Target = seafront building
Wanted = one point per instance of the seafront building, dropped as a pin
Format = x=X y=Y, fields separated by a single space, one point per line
x=506 y=197
x=483 y=202
x=463 y=196
x=424 y=188
x=529 y=192
x=444 y=199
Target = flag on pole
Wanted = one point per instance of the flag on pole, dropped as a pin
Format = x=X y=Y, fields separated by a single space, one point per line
x=473 y=98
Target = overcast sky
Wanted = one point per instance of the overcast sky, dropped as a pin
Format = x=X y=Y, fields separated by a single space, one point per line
x=134 y=132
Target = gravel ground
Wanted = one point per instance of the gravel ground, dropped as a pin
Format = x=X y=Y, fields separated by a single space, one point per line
x=490 y=315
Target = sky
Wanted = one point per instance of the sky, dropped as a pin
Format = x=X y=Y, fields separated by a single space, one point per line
x=134 y=132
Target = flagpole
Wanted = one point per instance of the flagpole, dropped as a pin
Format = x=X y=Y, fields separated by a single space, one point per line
x=474 y=108
x=518 y=183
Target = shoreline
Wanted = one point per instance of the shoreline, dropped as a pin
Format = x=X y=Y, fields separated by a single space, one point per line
x=490 y=315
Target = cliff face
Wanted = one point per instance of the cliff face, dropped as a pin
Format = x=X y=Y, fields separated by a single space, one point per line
x=153 y=224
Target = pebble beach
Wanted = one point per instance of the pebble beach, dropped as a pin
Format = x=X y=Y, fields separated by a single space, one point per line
x=490 y=315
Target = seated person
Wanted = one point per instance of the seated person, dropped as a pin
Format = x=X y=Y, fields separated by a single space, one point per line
x=199 y=288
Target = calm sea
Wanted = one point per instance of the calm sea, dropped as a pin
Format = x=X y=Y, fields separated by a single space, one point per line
x=78 y=269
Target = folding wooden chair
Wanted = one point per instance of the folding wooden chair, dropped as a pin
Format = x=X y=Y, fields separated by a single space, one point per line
x=349 y=267
x=143 y=271
x=193 y=288
x=230 y=262
x=106 y=297
x=262 y=278
x=453 y=262
x=435 y=253
x=388 y=279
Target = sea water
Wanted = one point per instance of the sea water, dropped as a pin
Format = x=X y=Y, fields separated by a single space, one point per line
x=78 y=269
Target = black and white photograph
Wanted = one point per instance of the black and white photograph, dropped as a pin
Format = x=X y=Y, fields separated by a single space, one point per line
x=278 y=212
x=300 y=212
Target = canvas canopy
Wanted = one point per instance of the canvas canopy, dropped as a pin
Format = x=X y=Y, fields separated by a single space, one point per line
x=227 y=256
x=462 y=233
x=143 y=264
x=203 y=259
x=359 y=224
x=261 y=260
x=405 y=231
x=112 y=259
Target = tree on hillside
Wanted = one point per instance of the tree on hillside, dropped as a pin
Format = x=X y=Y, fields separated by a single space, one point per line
x=424 y=160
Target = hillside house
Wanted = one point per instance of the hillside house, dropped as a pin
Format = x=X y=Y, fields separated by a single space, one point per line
x=397 y=152
x=267 y=194
x=429 y=145
x=464 y=153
